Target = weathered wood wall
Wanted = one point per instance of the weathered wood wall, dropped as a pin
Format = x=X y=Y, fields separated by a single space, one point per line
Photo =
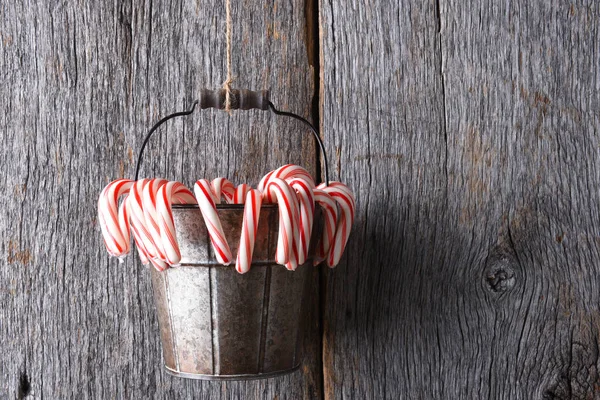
x=82 y=82
x=468 y=130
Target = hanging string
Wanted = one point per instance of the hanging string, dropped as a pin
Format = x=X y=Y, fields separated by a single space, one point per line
x=229 y=80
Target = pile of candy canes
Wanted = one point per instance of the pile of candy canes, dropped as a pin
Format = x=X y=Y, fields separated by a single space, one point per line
x=145 y=212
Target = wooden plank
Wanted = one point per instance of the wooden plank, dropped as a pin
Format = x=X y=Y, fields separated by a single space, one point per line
x=469 y=131
x=81 y=84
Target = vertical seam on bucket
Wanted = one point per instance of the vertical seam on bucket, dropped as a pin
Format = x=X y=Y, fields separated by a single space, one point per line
x=298 y=329
x=216 y=368
x=173 y=340
x=265 y=319
x=266 y=300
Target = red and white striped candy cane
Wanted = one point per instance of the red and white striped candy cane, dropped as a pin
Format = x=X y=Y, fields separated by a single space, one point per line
x=139 y=227
x=347 y=205
x=167 y=194
x=286 y=172
x=249 y=227
x=306 y=198
x=330 y=216
x=113 y=219
x=287 y=251
x=239 y=196
x=263 y=181
x=207 y=203
x=339 y=186
x=141 y=236
x=221 y=187
x=149 y=193
x=153 y=242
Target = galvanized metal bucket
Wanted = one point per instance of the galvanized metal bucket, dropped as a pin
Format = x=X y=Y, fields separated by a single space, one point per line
x=218 y=324
x=214 y=322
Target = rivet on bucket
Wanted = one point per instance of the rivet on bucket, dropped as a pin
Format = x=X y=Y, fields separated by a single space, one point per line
x=218 y=324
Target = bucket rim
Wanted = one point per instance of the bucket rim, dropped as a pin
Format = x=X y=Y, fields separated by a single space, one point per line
x=209 y=264
x=221 y=206
x=239 y=377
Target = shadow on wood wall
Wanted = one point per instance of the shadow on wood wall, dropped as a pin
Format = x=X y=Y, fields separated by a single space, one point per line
x=468 y=130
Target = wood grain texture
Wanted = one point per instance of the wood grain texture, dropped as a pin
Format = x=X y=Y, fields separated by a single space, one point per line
x=470 y=133
x=82 y=82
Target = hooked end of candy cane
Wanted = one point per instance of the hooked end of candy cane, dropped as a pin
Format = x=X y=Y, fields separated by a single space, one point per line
x=242 y=269
x=173 y=259
x=223 y=262
x=333 y=260
x=158 y=264
x=281 y=259
x=291 y=266
x=301 y=258
x=159 y=267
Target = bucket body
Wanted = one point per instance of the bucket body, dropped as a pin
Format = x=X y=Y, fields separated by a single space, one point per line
x=218 y=324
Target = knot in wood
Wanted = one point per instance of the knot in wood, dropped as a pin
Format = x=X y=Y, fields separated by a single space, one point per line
x=499 y=275
x=24 y=388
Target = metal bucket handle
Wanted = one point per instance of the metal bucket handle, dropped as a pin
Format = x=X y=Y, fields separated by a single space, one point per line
x=238 y=100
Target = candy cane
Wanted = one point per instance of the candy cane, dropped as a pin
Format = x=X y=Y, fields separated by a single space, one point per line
x=288 y=215
x=306 y=197
x=249 y=227
x=294 y=171
x=139 y=227
x=239 y=196
x=149 y=193
x=141 y=236
x=145 y=212
x=339 y=186
x=166 y=195
x=264 y=180
x=184 y=196
x=287 y=172
x=207 y=203
x=113 y=220
x=222 y=187
x=330 y=216
x=343 y=196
